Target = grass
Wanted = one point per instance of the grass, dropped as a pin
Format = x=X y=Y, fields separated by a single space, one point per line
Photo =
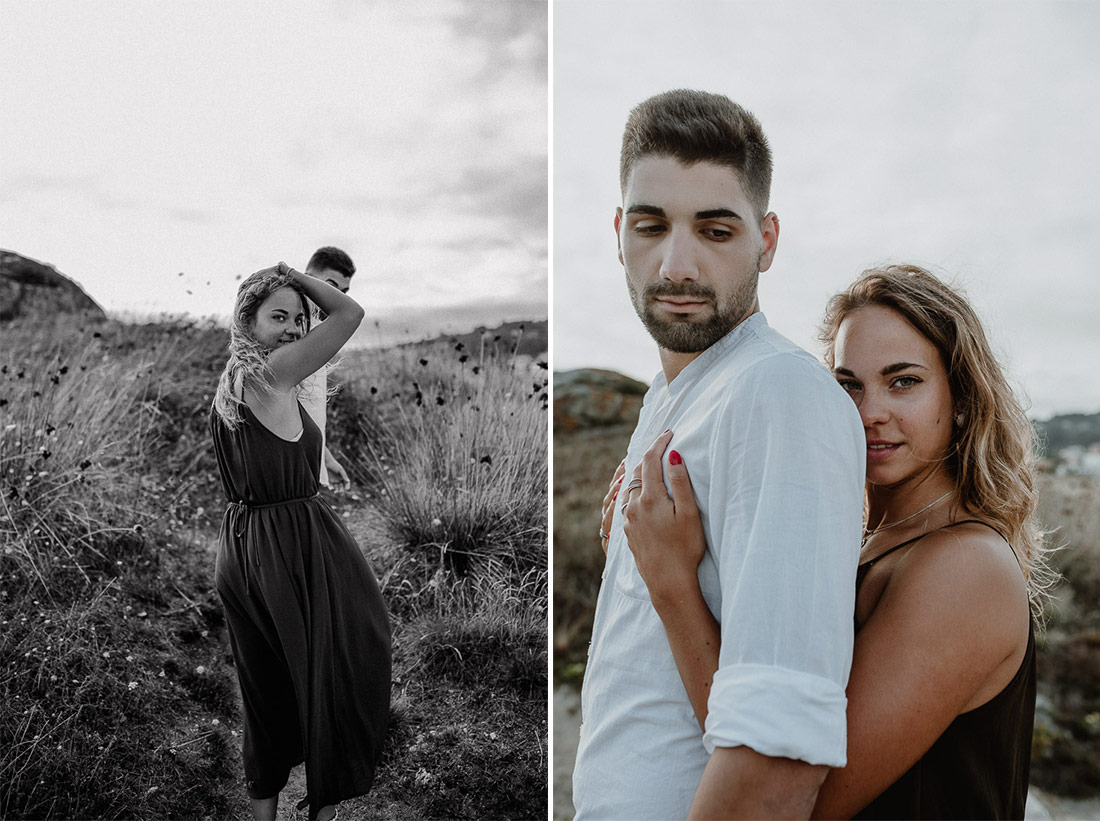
x=118 y=697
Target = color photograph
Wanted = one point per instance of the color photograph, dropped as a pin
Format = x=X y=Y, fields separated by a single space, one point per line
x=890 y=203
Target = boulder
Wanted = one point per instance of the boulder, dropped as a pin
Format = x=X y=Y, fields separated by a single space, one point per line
x=592 y=397
x=32 y=289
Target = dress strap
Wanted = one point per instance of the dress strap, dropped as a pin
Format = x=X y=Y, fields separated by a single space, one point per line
x=908 y=542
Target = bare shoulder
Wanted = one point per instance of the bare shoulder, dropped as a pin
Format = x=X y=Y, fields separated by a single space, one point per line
x=966 y=575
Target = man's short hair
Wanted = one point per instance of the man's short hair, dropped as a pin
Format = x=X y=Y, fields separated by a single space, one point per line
x=334 y=258
x=696 y=126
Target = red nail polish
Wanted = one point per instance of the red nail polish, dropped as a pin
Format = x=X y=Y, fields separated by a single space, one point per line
x=674 y=458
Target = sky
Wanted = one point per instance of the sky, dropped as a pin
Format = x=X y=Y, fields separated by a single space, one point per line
x=962 y=136
x=157 y=153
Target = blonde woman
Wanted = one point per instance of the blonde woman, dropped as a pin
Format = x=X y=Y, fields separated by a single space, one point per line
x=307 y=623
x=941 y=695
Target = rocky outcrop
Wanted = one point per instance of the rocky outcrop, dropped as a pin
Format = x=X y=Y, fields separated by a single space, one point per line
x=32 y=289
x=591 y=397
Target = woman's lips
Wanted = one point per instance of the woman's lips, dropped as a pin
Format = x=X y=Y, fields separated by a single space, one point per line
x=877 y=451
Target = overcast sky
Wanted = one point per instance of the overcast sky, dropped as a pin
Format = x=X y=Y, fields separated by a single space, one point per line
x=140 y=141
x=964 y=136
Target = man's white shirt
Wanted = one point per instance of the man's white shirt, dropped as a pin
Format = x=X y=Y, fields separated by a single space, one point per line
x=313 y=394
x=776 y=454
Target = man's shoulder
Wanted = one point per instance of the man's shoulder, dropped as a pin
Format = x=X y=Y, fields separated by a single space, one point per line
x=767 y=360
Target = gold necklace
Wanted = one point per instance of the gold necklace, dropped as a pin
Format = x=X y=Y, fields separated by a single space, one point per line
x=869 y=533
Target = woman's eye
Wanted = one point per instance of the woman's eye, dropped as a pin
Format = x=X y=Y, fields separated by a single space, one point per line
x=849 y=385
x=906 y=382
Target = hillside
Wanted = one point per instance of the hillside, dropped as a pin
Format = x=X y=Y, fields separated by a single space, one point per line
x=119 y=696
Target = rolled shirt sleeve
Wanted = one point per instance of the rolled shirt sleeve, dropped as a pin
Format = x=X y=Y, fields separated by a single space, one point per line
x=785 y=514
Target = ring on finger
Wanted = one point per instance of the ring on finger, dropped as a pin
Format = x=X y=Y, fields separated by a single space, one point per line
x=604 y=535
x=636 y=482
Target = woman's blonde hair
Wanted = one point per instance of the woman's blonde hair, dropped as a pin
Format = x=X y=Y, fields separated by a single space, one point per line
x=247 y=357
x=994 y=455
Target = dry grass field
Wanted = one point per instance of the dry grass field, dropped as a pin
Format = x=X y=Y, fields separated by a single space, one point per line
x=118 y=697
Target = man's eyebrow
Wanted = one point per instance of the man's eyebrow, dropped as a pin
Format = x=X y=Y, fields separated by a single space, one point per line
x=709 y=214
x=717 y=213
x=651 y=210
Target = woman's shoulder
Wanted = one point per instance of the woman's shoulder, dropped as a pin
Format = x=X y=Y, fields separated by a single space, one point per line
x=967 y=567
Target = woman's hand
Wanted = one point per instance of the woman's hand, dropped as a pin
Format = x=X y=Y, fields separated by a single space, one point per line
x=608 y=507
x=665 y=533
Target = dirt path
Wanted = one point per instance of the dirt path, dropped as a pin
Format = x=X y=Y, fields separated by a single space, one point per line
x=1041 y=806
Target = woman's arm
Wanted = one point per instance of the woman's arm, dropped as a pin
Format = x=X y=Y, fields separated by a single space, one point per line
x=665 y=534
x=292 y=363
x=947 y=633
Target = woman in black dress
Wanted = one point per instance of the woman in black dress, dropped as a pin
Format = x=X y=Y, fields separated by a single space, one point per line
x=941 y=697
x=307 y=623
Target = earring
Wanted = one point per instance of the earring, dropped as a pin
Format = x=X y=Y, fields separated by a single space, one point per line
x=959 y=419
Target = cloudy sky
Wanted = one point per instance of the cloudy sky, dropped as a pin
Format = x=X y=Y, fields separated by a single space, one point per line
x=961 y=135
x=157 y=152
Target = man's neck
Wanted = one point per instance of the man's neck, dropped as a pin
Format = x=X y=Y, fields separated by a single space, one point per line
x=672 y=363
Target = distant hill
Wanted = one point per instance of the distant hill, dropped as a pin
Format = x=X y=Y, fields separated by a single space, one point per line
x=530 y=338
x=1068 y=429
x=29 y=288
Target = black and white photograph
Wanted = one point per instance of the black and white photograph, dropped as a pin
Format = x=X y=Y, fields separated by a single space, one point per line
x=274 y=410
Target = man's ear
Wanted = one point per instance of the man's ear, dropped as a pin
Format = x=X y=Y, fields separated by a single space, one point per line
x=769 y=230
x=618 y=241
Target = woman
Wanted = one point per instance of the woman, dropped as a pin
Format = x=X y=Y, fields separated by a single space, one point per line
x=307 y=623
x=941 y=695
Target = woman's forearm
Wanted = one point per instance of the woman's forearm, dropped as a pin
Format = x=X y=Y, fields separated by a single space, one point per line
x=695 y=639
x=332 y=301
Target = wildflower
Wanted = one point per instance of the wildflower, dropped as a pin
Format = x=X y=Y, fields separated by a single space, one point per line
x=200 y=670
x=132 y=685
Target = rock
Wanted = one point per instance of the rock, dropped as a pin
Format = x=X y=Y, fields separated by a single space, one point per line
x=591 y=397
x=32 y=289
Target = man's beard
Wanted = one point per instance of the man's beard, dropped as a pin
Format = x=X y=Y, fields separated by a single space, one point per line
x=688 y=334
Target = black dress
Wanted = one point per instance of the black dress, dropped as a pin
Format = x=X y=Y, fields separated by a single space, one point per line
x=308 y=627
x=979 y=767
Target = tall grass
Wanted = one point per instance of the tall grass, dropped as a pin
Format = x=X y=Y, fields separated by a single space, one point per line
x=453 y=456
x=103 y=622
x=117 y=693
x=457 y=456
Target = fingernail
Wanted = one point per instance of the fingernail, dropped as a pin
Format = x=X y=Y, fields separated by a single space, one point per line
x=674 y=458
x=616 y=496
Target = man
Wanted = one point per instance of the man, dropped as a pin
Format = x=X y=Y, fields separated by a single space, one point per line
x=775 y=451
x=335 y=267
